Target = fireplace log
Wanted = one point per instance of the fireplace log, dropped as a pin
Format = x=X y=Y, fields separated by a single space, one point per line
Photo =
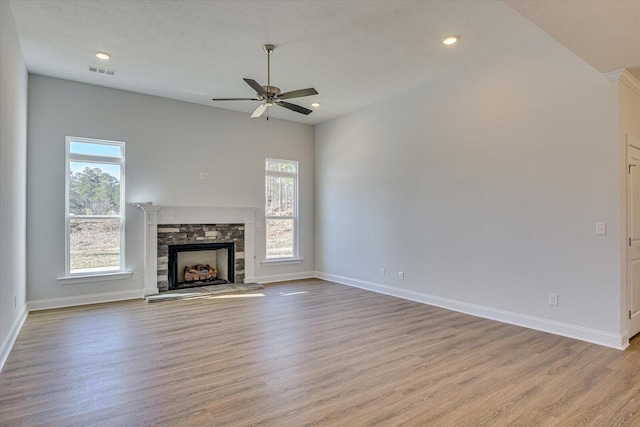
x=199 y=272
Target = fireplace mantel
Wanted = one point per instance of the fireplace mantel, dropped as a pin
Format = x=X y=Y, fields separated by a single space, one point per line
x=163 y=214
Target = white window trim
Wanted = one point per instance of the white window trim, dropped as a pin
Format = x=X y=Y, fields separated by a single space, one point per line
x=295 y=258
x=101 y=275
x=90 y=278
x=280 y=261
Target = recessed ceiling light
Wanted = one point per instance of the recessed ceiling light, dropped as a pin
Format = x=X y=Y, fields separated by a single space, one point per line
x=449 y=40
x=103 y=55
x=315 y=104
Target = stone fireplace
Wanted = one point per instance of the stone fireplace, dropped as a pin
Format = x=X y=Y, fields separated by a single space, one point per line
x=180 y=245
x=201 y=264
x=190 y=227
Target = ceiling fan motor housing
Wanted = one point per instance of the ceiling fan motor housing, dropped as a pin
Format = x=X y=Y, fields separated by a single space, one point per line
x=271 y=91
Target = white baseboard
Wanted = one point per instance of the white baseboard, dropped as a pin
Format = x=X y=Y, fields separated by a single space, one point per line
x=281 y=277
x=150 y=291
x=45 y=304
x=595 y=336
x=8 y=342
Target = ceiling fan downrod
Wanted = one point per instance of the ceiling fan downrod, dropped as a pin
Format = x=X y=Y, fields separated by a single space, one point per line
x=269 y=48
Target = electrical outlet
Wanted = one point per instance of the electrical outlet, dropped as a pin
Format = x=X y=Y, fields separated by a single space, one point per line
x=135 y=275
x=201 y=176
x=401 y=275
x=553 y=299
x=383 y=272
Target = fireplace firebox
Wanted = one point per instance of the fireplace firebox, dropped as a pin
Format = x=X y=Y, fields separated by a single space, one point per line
x=201 y=264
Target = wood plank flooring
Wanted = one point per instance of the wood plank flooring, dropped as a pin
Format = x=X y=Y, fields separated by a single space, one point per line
x=306 y=353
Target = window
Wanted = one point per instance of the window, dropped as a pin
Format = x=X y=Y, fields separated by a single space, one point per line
x=94 y=206
x=281 y=208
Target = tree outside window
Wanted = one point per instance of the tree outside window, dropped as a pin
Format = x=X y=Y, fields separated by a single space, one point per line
x=281 y=208
x=95 y=218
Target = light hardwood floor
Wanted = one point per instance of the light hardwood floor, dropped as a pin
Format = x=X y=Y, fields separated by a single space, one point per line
x=306 y=353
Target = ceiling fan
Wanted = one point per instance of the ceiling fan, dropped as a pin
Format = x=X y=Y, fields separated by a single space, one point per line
x=271 y=95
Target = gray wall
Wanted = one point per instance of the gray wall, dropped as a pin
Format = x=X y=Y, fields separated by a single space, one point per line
x=168 y=143
x=13 y=178
x=484 y=189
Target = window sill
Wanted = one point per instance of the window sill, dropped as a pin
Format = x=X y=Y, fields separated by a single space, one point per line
x=86 y=278
x=282 y=261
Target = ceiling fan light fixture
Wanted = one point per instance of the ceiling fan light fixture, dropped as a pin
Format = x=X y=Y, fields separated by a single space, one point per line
x=103 y=55
x=315 y=104
x=451 y=39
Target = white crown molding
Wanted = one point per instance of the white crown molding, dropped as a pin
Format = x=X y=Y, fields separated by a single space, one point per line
x=625 y=77
x=604 y=338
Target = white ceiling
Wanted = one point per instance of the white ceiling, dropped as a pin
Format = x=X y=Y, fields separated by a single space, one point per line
x=606 y=34
x=354 y=52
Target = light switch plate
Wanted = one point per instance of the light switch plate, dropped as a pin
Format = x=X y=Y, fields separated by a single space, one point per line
x=601 y=228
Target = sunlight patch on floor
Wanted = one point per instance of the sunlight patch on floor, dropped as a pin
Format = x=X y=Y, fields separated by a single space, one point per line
x=232 y=296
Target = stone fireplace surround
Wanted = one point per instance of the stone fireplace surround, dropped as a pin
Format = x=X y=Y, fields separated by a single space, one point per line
x=199 y=235
x=164 y=216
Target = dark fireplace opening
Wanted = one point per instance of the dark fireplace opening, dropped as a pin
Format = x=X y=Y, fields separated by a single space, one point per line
x=201 y=264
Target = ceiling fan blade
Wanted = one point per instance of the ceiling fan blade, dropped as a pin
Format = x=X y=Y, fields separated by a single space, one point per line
x=294 y=107
x=298 y=93
x=256 y=86
x=261 y=109
x=235 y=99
